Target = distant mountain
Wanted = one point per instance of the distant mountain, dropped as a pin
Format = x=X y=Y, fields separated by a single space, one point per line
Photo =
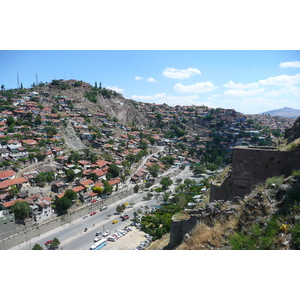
x=286 y=112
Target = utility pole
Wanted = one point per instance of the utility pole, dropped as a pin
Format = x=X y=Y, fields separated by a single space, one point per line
x=18 y=80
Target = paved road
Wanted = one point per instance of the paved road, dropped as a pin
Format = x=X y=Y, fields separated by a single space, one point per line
x=72 y=235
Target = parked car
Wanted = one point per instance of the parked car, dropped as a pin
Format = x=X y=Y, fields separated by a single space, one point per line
x=96 y=239
x=48 y=242
x=84 y=217
x=93 y=201
x=92 y=213
x=106 y=233
x=98 y=233
x=103 y=207
x=115 y=221
x=112 y=238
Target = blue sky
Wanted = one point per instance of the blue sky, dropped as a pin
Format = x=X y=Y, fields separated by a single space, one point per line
x=248 y=81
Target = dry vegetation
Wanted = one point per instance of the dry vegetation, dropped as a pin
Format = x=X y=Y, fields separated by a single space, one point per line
x=265 y=219
x=204 y=237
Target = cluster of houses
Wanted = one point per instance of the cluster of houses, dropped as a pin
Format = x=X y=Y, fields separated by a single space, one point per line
x=30 y=133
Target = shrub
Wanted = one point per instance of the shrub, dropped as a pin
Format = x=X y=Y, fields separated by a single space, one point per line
x=296 y=173
x=295 y=231
x=274 y=181
x=240 y=241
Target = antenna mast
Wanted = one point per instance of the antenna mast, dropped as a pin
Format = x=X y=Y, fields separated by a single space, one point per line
x=36 y=79
x=18 y=80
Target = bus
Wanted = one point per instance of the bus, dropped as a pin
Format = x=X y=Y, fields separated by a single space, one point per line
x=98 y=245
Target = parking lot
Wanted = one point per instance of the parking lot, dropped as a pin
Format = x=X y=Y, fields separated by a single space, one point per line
x=129 y=241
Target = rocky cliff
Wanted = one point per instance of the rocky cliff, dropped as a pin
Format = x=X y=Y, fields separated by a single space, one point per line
x=293 y=133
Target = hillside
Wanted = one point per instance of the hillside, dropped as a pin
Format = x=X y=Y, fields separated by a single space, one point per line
x=109 y=101
x=266 y=219
x=286 y=112
x=293 y=133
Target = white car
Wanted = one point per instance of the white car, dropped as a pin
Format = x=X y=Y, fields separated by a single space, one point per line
x=111 y=238
x=96 y=239
x=106 y=233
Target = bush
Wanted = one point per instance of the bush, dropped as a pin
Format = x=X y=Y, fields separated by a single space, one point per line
x=295 y=231
x=274 y=181
x=37 y=247
x=296 y=173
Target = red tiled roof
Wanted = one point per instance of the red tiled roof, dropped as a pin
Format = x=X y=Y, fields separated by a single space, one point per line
x=77 y=189
x=99 y=172
x=99 y=184
x=6 y=174
x=11 y=203
x=87 y=182
x=114 y=181
x=31 y=142
x=10 y=182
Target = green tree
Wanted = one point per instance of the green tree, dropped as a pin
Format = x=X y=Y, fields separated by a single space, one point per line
x=21 y=210
x=70 y=194
x=143 y=144
x=136 y=188
x=120 y=208
x=37 y=247
x=169 y=160
x=70 y=175
x=166 y=182
x=54 y=244
x=198 y=169
x=114 y=170
x=153 y=170
x=212 y=167
x=107 y=187
x=152 y=140
x=64 y=203
x=10 y=121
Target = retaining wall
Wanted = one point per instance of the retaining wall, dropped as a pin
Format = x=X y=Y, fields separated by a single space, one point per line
x=23 y=233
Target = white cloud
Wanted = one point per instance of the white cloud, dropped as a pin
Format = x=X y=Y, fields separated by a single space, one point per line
x=200 y=87
x=138 y=78
x=290 y=64
x=233 y=85
x=242 y=93
x=147 y=98
x=180 y=100
x=281 y=80
x=180 y=73
x=114 y=88
x=151 y=79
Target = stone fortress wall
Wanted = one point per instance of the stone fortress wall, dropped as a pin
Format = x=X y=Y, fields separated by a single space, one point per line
x=250 y=166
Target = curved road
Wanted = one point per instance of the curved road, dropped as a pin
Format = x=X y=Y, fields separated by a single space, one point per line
x=72 y=235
